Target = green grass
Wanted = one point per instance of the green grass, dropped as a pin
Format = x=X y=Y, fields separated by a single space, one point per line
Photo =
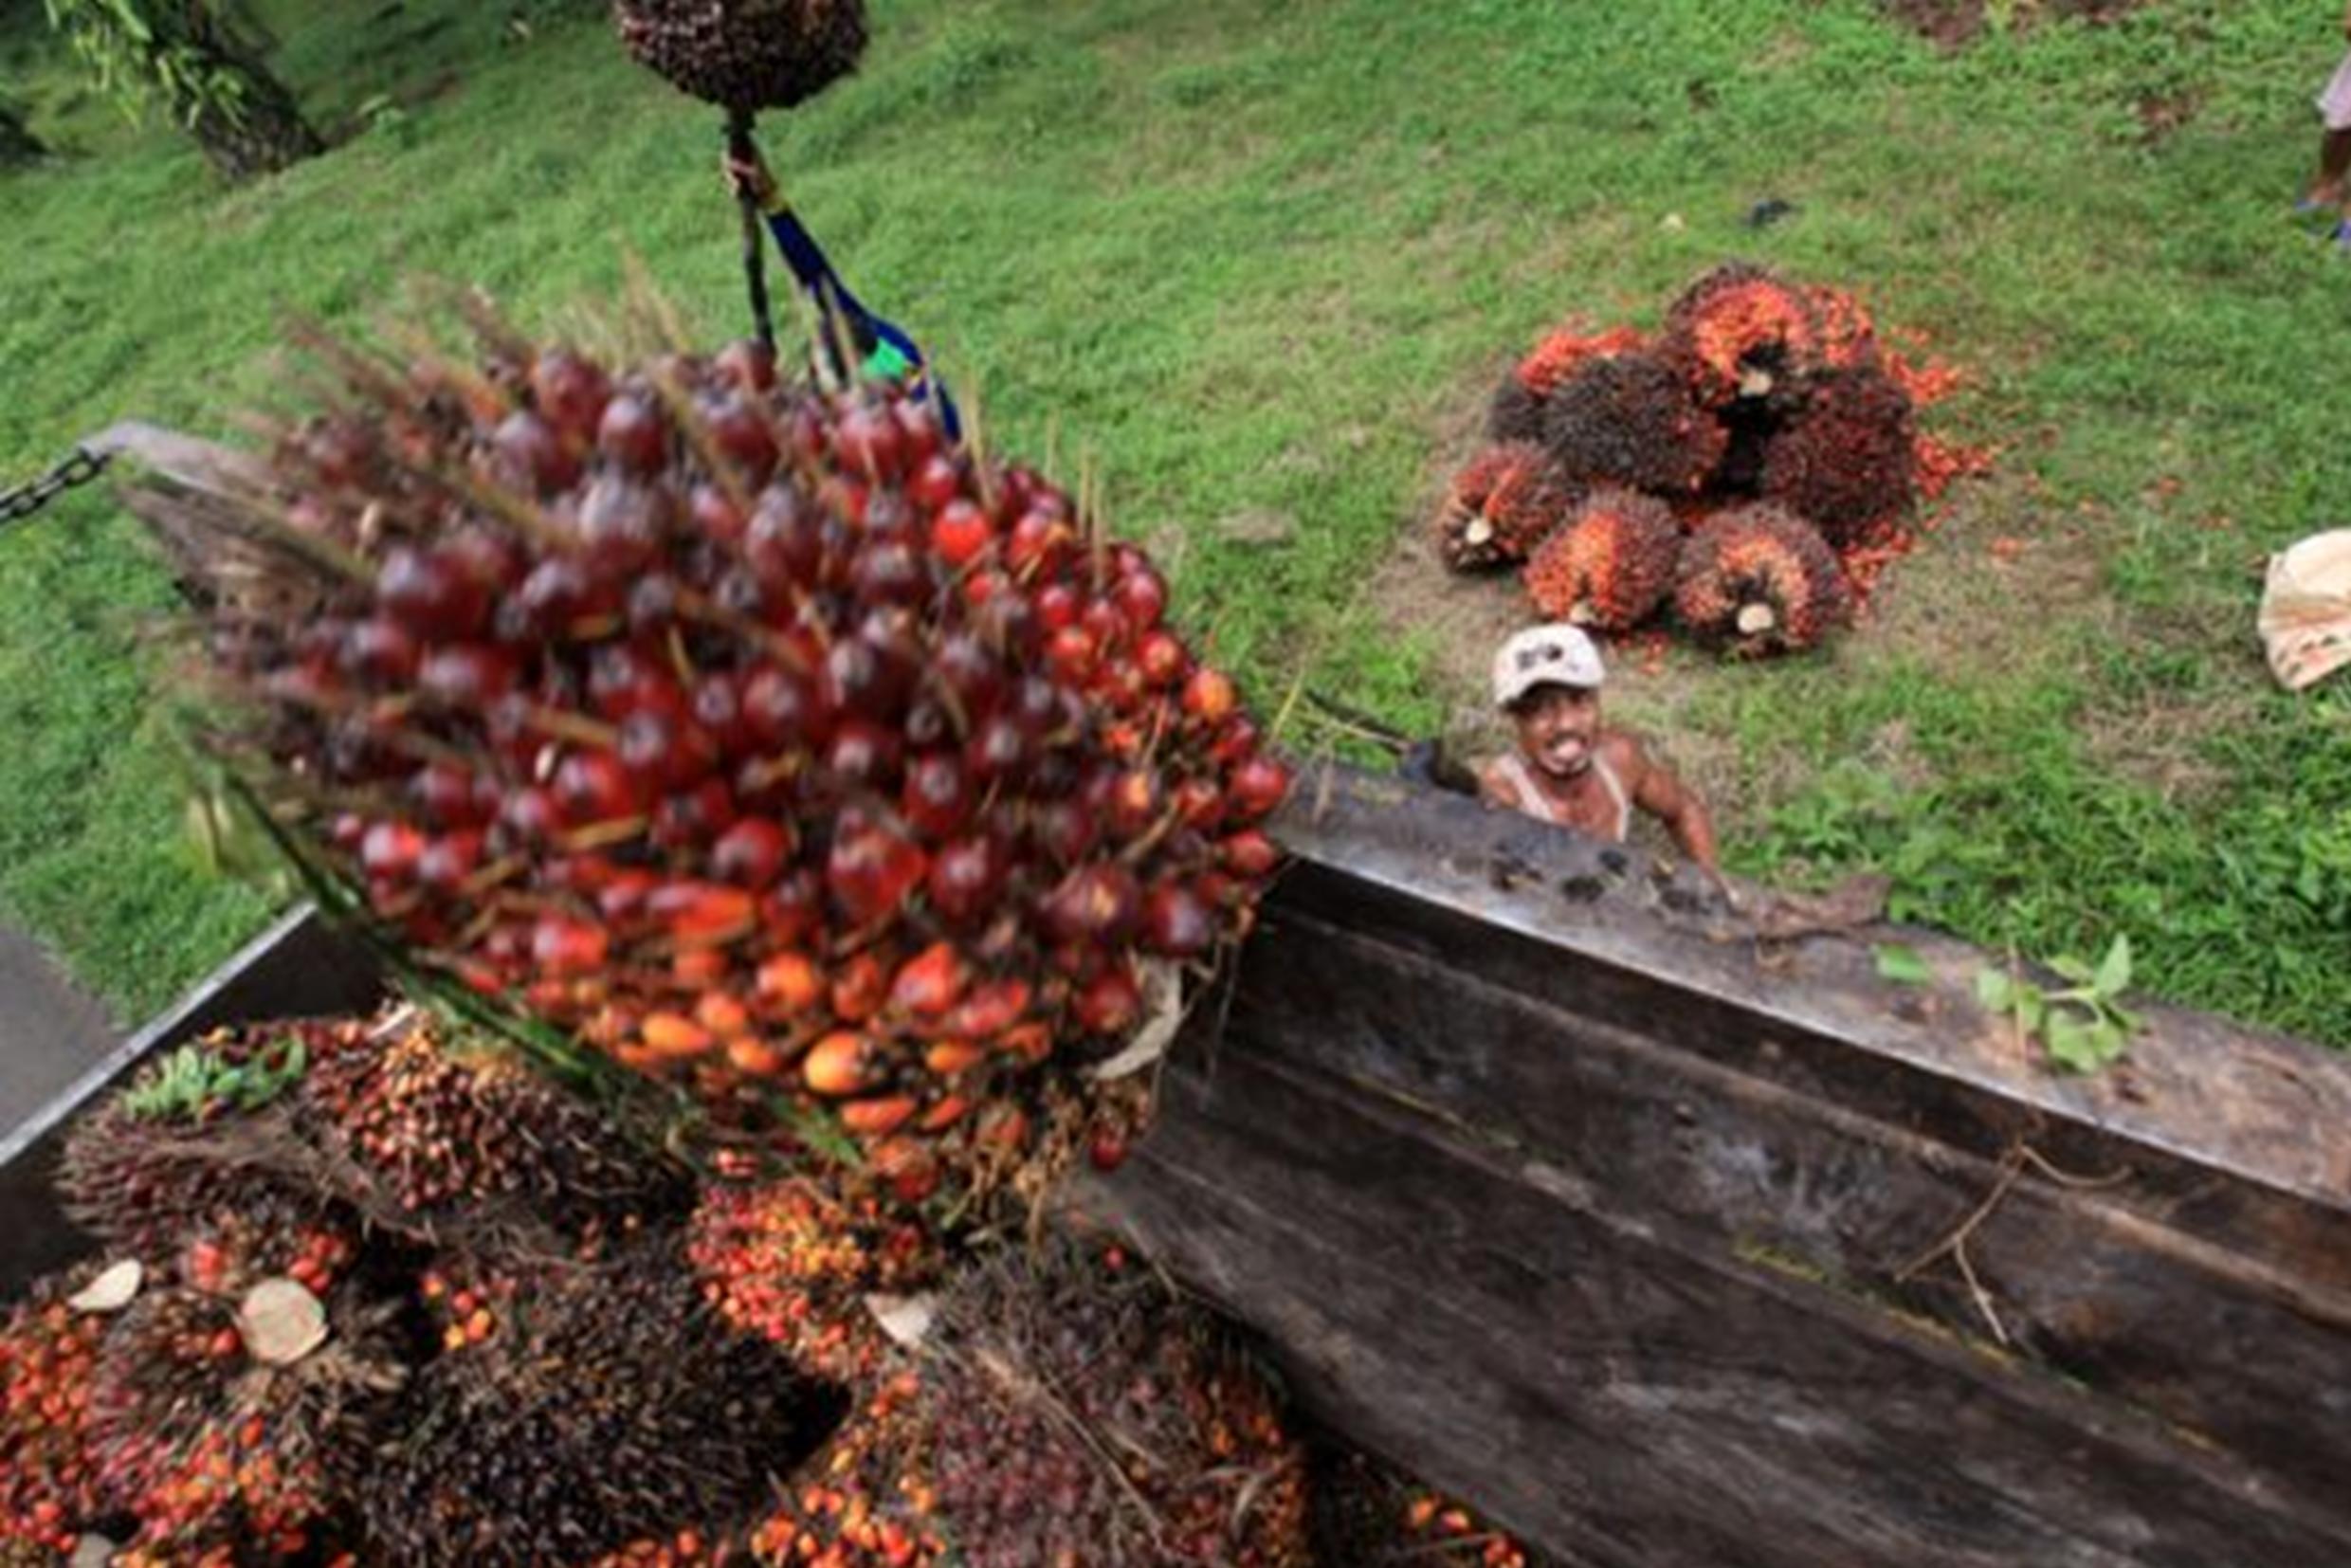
x=1261 y=258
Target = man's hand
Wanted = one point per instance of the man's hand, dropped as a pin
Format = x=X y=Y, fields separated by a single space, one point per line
x=749 y=177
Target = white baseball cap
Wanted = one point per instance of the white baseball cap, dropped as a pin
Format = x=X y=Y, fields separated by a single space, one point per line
x=1556 y=655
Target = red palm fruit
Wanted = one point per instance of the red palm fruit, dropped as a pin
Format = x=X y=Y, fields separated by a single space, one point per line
x=867 y=440
x=1177 y=922
x=1611 y=565
x=450 y=860
x=1634 y=421
x=532 y=457
x=634 y=434
x=952 y=1058
x=872 y=873
x=570 y=393
x=1000 y=749
x=1110 y=1006
x=1162 y=658
x=1199 y=804
x=1210 y=697
x=531 y=816
x=624 y=526
x=1848 y=337
x=675 y=1037
x=960 y=532
x=790 y=984
x=1257 y=787
x=880 y=1116
x=993 y=1007
x=973 y=678
x=702 y=914
x=1740 y=333
x=446 y=795
x=1235 y=743
x=623 y=678
x=695 y=818
x=1072 y=653
x=870 y=677
x=938 y=800
x=428 y=595
x=930 y=982
x=909 y=1167
x=864 y=755
x=391 y=851
x=748 y=363
x=782 y=710
x=1249 y=855
x=1041 y=543
x=560 y=945
x=1135 y=802
x=665 y=751
x=752 y=854
x=967 y=878
x=742 y=436
x=715 y=515
x=1759 y=581
x=858 y=986
x=380 y=650
x=1140 y=596
x=793 y=911
x=623 y=897
x=1066 y=831
x=554 y=595
x=937 y=485
x=716 y=704
x=1095 y=904
x=841 y=1064
x=1850 y=459
x=1059 y=607
x=1106 y=624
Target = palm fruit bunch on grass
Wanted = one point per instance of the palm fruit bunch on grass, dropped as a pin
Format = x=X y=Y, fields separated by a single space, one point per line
x=745 y=54
x=442 y=1137
x=1631 y=420
x=1517 y=410
x=793 y=1262
x=1740 y=333
x=1848 y=460
x=1611 y=565
x=1758 y=581
x=241 y=1420
x=782 y=752
x=1503 y=504
x=1078 y=1414
x=612 y=1409
x=49 y=1484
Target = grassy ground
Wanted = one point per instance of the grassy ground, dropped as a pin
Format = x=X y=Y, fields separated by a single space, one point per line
x=1262 y=260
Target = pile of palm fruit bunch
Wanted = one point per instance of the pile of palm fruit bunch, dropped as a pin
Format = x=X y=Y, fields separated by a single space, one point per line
x=371 y=1291
x=850 y=783
x=1747 y=471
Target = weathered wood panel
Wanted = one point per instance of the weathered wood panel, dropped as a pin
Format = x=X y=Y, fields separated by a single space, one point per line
x=1551 y=1185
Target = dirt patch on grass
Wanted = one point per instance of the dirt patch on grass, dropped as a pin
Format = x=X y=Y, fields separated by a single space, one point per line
x=1954 y=23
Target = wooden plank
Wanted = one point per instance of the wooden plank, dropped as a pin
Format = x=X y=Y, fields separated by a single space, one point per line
x=1625 y=1392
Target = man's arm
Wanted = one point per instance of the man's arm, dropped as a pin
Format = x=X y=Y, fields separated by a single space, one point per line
x=1656 y=791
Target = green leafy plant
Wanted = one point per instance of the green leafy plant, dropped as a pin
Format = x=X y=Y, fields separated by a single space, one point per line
x=2084 y=1026
x=194 y=1081
x=191 y=56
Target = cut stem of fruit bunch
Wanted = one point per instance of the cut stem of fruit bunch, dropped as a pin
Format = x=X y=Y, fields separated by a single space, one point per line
x=779 y=749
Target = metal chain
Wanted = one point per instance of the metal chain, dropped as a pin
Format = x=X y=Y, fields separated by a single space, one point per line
x=79 y=469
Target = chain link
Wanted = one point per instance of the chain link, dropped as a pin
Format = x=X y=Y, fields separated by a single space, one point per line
x=79 y=469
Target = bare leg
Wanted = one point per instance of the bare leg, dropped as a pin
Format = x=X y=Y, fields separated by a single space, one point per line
x=2334 y=165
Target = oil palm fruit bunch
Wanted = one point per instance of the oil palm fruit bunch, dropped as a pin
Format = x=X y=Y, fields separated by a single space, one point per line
x=745 y=54
x=780 y=749
x=1502 y=505
x=49 y=1486
x=1611 y=565
x=1517 y=410
x=1078 y=1414
x=1631 y=420
x=1740 y=333
x=1370 y=1515
x=863 y=1501
x=1848 y=459
x=793 y=1262
x=183 y=1150
x=611 y=1408
x=441 y=1137
x=1758 y=581
x=240 y=1419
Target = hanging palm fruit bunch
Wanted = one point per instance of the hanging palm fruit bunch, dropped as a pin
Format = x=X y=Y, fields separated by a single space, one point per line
x=784 y=753
x=745 y=54
x=1501 y=505
x=1847 y=462
x=613 y=1407
x=1611 y=565
x=1631 y=420
x=1758 y=581
x=241 y=1418
x=1519 y=405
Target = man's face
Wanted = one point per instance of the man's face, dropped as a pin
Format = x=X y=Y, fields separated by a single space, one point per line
x=1559 y=728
